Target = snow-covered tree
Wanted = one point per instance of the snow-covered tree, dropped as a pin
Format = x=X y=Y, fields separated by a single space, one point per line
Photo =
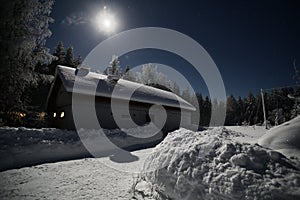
x=63 y=57
x=162 y=79
x=60 y=52
x=128 y=74
x=150 y=76
x=296 y=109
x=24 y=27
x=186 y=94
x=176 y=88
x=114 y=69
x=58 y=57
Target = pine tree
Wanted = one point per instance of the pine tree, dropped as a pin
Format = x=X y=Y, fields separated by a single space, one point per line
x=59 y=57
x=186 y=94
x=114 y=69
x=128 y=74
x=64 y=57
x=205 y=113
x=222 y=107
x=286 y=102
x=296 y=76
x=60 y=53
x=215 y=109
x=249 y=108
x=78 y=61
x=162 y=79
x=231 y=116
x=199 y=100
x=240 y=110
x=149 y=73
x=24 y=28
x=150 y=76
x=296 y=108
x=195 y=116
x=69 y=59
x=200 y=107
x=176 y=88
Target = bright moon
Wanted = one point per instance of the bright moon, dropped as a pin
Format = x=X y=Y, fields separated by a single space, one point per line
x=105 y=21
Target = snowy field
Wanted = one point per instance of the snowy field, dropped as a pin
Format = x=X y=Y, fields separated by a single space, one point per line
x=22 y=147
x=78 y=179
x=218 y=163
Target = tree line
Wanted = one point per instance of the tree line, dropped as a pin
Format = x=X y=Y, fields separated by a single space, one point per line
x=27 y=69
x=27 y=66
x=279 y=105
x=248 y=110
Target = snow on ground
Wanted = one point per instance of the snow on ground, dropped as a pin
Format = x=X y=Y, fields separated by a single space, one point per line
x=20 y=147
x=284 y=138
x=218 y=163
x=213 y=165
x=250 y=133
x=88 y=178
x=25 y=147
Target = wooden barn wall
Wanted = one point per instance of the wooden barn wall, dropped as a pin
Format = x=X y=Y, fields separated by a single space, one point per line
x=138 y=112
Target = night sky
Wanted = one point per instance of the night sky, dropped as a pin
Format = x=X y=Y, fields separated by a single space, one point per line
x=253 y=43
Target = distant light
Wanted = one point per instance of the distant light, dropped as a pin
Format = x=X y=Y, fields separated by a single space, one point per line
x=22 y=114
x=54 y=114
x=105 y=21
x=62 y=114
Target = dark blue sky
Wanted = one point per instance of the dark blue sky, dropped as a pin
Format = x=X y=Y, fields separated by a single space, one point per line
x=253 y=43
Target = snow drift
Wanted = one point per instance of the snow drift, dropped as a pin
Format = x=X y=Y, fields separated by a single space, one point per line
x=21 y=147
x=211 y=165
x=284 y=138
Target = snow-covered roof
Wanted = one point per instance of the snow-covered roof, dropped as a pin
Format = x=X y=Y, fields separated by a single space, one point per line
x=142 y=93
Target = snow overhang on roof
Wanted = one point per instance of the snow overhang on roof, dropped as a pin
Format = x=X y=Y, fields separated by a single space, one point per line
x=143 y=93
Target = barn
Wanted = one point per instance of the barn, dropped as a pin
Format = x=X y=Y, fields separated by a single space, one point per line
x=59 y=102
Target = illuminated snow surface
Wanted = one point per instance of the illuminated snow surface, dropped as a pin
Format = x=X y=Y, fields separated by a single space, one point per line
x=285 y=138
x=218 y=163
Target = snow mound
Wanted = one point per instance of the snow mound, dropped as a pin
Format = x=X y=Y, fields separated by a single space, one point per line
x=284 y=138
x=211 y=165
